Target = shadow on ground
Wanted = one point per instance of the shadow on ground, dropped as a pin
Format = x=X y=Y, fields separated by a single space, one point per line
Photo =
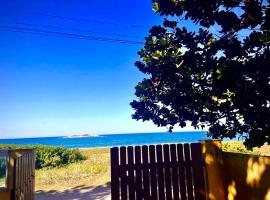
x=77 y=193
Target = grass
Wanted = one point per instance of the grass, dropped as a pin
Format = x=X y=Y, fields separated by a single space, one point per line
x=2 y=182
x=235 y=146
x=95 y=170
x=91 y=172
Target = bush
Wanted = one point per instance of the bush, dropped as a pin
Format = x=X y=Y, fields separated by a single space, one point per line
x=2 y=167
x=238 y=147
x=48 y=156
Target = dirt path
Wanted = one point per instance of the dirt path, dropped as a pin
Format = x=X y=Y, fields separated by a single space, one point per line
x=86 y=193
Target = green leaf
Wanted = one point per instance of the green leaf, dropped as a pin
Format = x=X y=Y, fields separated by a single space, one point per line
x=219 y=70
x=156 y=7
x=211 y=41
x=146 y=59
x=154 y=38
x=156 y=55
x=163 y=41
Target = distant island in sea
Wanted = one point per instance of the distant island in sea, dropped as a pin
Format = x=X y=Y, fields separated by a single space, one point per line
x=82 y=136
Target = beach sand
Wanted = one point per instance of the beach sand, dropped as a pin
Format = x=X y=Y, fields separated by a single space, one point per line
x=78 y=193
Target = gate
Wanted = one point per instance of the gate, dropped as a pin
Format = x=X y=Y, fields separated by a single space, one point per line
x=170 y=171
x=24 y=175
x=20 y=174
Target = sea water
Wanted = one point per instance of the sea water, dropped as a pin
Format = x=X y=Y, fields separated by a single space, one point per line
x=109 y=140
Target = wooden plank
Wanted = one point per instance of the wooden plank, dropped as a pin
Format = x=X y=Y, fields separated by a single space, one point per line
x=168 y=180
x=153 y=172
x=114 y=173
x=138 y=186
x=160 y=173
x=26 y=176
x=30 y=176
x=123 y=177
x=15 y=181
x=25 y=180
x=198 y=172
x=23 y=170
x=182 y=172
x=33 y=175
x=174 y=173
x=131 y=180
x=21 y=174
x=146 y=185
x=188 y=173
x=28 y=196
x=20 y=178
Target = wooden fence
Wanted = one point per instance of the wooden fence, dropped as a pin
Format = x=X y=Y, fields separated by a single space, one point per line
x=20 y=178
x=174 y=171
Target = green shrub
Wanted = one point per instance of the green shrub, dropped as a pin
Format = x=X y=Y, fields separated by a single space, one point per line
x=48 y=156
x=2 y=167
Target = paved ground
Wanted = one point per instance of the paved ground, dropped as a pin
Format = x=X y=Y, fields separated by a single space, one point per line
x=79 y=193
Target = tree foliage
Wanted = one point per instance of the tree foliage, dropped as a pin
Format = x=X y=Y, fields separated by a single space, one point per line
x=214 y=74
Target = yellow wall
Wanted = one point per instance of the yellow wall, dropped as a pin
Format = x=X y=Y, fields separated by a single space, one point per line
x=247 y=177
x=211 y=150
x=235 y=176
x=4 y=195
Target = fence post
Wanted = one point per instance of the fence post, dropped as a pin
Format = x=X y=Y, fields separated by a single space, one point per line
x=212 y=155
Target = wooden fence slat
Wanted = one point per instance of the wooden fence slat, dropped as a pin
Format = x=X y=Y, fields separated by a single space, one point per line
x=188 y=173
x=28 y=177
x=21 y=167
x=16 y=181
x=153 y=172
x=146 y=186
x=182 y=173
x=26 y=196
x=174 y=173
x=24 y=176
x=114 y=173
x=131 y=181
x=123 y=177
x=138 y=187
x=198 y=172
x=168 y=180
x=31 y=177
x=160 y=173
x=34 y=175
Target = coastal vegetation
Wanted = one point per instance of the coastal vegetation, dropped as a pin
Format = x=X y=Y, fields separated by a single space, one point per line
x=2 y=171
x=48 y=156
x=94 y=168
x=93 y=171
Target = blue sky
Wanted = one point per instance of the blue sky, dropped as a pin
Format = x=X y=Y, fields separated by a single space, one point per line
x=59 y=86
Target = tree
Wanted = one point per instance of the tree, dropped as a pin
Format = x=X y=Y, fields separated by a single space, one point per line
x=214 y=74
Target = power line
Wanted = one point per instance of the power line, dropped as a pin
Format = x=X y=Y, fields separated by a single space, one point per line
x=73 y=18
x=65 y=35
x=70 y=29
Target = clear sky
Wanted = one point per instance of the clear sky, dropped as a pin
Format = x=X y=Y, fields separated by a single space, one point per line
x=60 y=86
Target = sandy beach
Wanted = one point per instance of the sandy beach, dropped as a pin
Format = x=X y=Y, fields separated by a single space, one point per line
x=79 y=193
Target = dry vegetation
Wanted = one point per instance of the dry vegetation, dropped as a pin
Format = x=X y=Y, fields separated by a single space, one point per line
x=91 y=172
x=239 y=147
x=96 y=169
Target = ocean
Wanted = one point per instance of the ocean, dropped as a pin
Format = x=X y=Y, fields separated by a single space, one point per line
x=109 y=140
